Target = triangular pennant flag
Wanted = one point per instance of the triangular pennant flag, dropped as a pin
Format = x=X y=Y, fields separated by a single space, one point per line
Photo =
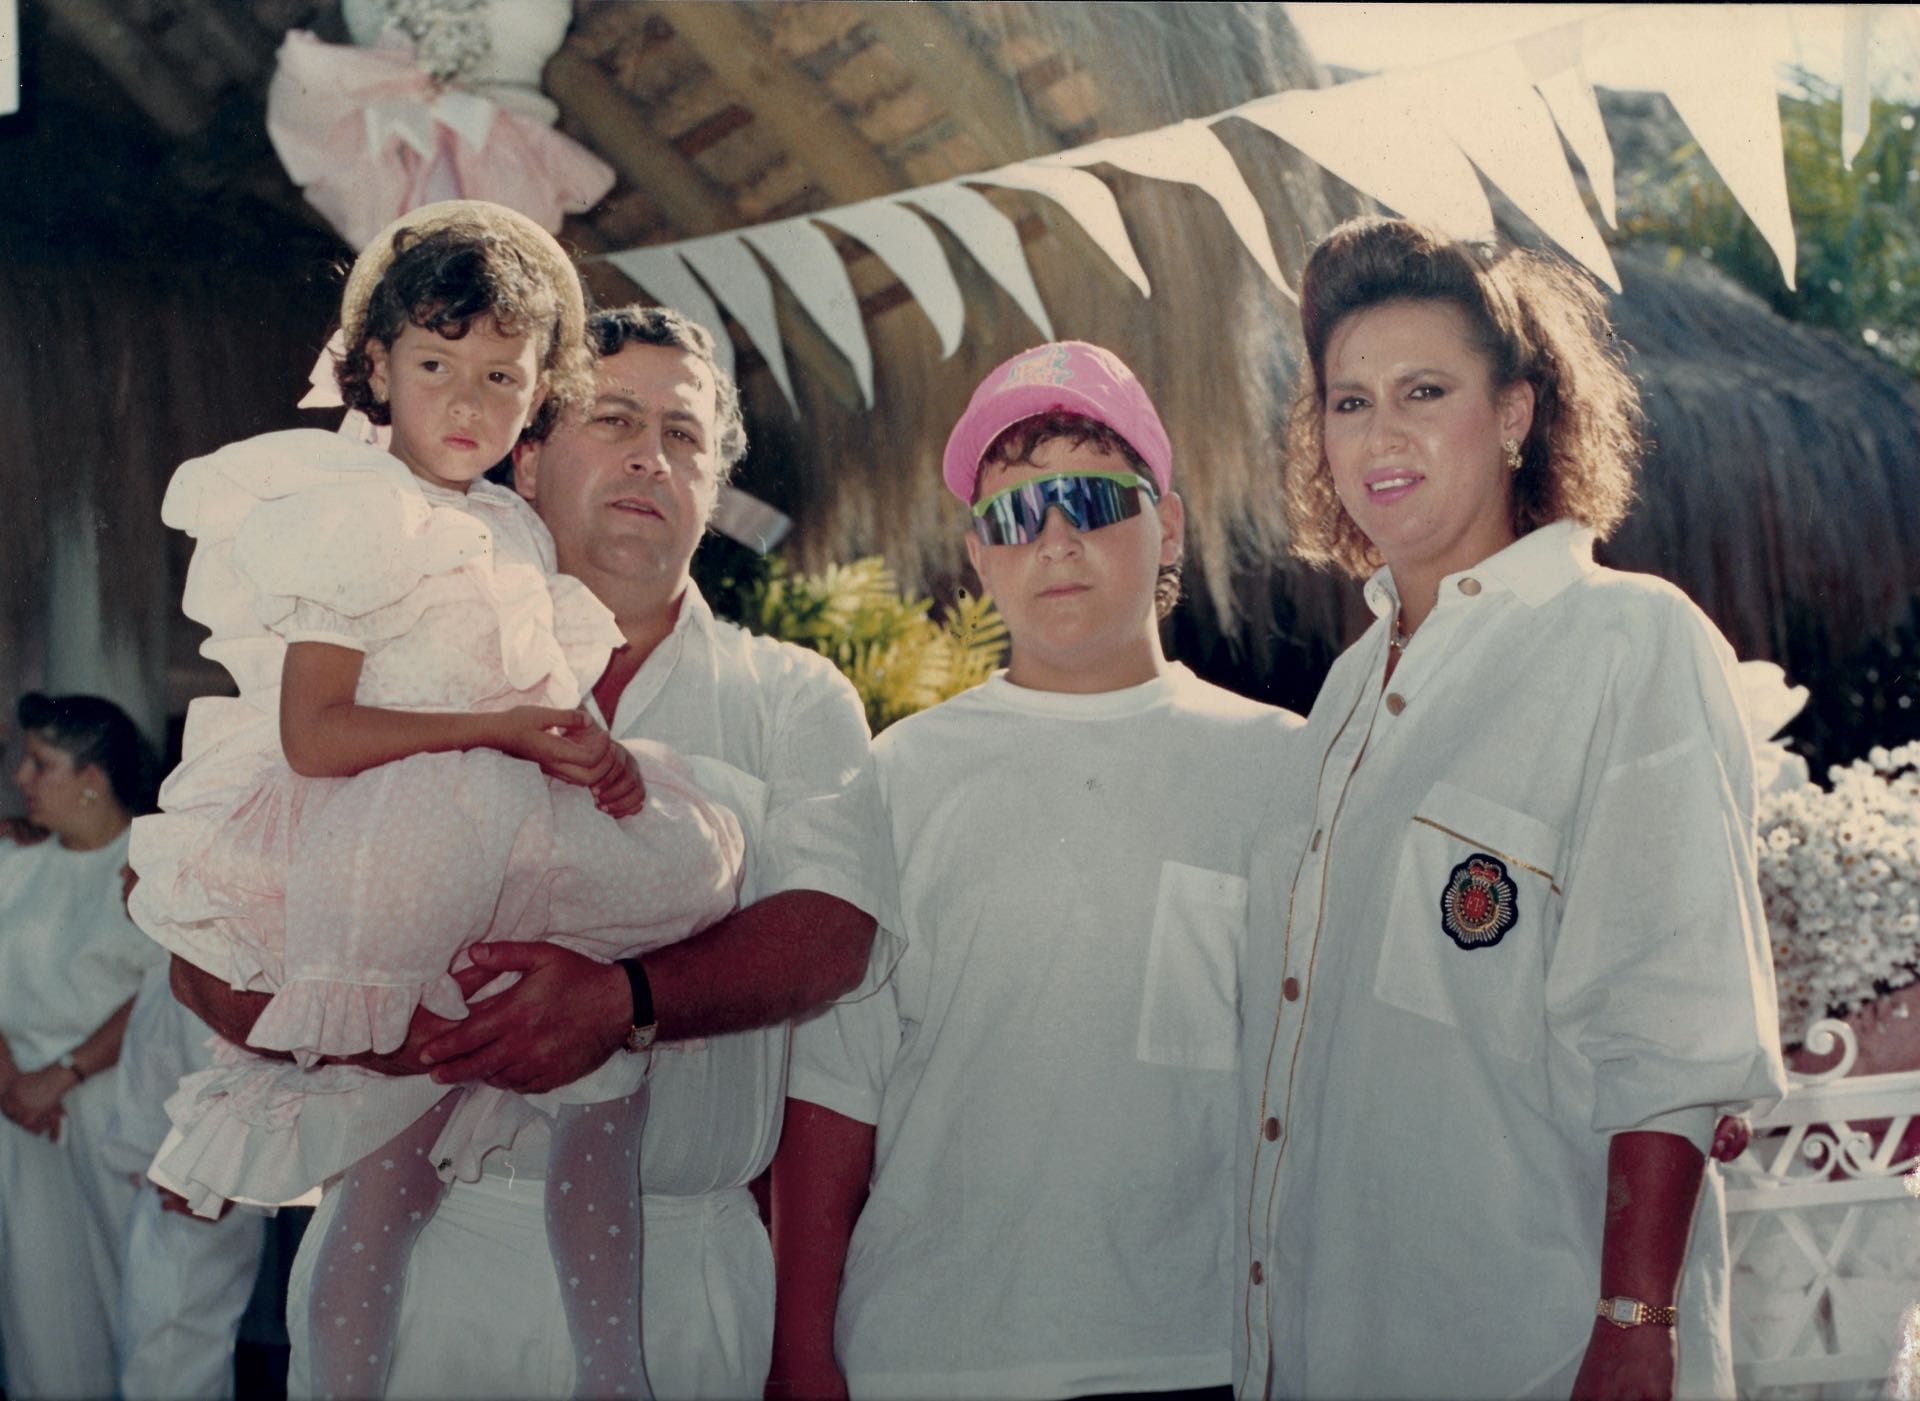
x=736 y=277
x=1189 y=152
x=1554 y=60
x=1367 y=134
x=1485 y=102
x=814 y=272
x=661 y=275
x=1713 y=63
x=909 y=247
x=1087 y=199
x=991 y=238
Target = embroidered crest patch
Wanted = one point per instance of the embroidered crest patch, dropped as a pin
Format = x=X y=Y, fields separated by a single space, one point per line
x=1480 y=903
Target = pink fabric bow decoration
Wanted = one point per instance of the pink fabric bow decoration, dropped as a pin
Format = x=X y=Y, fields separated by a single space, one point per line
x=367 y=134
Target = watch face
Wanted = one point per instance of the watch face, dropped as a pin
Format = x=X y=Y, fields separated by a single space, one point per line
x=1625 y=1310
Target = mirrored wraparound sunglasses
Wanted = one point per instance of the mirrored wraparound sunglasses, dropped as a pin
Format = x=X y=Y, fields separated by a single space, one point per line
x=1014 y=515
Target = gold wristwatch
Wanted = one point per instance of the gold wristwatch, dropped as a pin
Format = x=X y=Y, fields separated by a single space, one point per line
x=1623 y=1312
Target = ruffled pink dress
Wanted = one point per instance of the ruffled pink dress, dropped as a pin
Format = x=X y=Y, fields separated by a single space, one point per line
x=351 y=899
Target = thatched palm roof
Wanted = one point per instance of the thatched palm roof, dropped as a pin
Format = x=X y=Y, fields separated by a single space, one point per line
x=1782 y=489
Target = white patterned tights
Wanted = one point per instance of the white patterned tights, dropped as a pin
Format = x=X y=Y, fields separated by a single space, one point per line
x=593 y=1231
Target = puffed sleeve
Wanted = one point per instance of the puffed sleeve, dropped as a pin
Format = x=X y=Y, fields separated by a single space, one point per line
x=337 y=562
x=1661 y=976
x=302 y=521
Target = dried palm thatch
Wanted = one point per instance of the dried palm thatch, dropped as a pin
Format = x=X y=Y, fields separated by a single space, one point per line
x=1782 y=485
x=1215 y=343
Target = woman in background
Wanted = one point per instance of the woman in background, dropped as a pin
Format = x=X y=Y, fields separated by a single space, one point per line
x=70 y=963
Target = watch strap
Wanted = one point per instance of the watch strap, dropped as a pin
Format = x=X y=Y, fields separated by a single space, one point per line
x=641 y=1032
x=1623 y=1311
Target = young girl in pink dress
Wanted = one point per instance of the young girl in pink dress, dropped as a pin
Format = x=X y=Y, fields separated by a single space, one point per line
x=405 y=773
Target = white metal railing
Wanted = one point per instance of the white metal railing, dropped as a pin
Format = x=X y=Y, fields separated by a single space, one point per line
x=1823 y=1227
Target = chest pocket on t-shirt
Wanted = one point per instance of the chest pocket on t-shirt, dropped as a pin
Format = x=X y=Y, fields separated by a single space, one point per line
x=1473 y=914
x=1189 y=1009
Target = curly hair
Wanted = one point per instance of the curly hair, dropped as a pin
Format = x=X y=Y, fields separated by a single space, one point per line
x=90 y=730
x=1535 y=320
x=444 y=281
x=613 y=330
x=1018 y=442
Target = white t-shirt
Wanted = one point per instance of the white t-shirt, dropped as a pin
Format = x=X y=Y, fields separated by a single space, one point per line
x=1050 y=1068
x=1526 y=922
x=69 y=956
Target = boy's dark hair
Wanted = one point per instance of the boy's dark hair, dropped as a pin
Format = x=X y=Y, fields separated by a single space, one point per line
x=444 y=281
x=93 y=731
x=1018 y=442
x=613 y=330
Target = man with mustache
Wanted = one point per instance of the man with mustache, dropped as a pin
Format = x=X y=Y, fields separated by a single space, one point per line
x=627 y=487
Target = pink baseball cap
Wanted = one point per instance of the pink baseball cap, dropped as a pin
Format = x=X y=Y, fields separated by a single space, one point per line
x=1063 y=376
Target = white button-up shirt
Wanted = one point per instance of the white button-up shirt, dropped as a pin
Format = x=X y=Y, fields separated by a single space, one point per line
x=776 y=733
x=1512 y=914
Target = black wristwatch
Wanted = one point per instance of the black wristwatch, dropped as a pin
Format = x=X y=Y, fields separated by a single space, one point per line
x=641 y=1033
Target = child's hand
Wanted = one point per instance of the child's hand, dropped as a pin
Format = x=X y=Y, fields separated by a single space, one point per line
x=582 y=752
x=608 y=769
x=623 y=792
x=544 y=736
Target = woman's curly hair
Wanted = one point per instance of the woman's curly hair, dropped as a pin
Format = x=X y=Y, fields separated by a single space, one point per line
x=1532 y=316
x=446 y=280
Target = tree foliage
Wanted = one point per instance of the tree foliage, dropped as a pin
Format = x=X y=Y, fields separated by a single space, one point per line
x=898 y=656
x=1858 y=230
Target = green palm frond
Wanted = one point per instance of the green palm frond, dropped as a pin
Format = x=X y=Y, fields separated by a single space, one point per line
x=898 y=656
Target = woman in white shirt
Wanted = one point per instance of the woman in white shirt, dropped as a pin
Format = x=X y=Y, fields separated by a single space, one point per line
x=1508 y=954
x=70 y=963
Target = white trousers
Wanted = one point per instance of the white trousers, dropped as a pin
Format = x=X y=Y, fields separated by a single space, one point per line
x=481 y=1316
x=61 y=1214
x=184 y=1284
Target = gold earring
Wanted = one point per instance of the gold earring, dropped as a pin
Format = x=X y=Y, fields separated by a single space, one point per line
x=1511 y=447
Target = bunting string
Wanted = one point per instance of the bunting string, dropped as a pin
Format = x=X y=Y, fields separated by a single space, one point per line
x=1419 y=141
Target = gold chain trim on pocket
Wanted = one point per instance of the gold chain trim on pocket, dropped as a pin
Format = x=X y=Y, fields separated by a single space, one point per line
x=1510 y=859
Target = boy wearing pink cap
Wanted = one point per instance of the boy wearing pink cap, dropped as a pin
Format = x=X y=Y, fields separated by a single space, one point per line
x=1037 y=1105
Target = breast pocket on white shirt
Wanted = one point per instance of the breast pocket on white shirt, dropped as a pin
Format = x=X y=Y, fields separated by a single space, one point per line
x=1474 y=907
x=1189 y=1009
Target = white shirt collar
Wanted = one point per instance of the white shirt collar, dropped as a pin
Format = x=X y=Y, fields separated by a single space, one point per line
x=1534 y=568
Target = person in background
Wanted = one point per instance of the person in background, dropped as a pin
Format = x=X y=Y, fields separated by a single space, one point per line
x=70 y=964
x=184 y=1281
x=1507 y=954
